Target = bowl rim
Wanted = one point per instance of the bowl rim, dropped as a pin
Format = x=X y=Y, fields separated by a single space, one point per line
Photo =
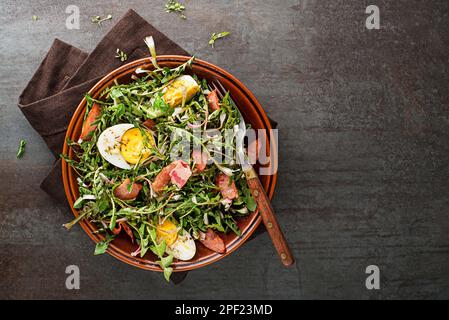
x=67 y=172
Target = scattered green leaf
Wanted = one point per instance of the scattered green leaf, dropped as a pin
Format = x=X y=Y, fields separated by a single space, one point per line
x=21 y=150
x=121 y=55
x=215 y=36
x=99 y=20
x=176 y=7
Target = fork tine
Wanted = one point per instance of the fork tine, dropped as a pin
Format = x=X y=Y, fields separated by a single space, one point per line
x=223 y=90
x=220 y=94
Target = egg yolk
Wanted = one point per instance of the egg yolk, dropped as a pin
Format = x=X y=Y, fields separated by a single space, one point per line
x=174 y=94
x=135 y=146
x=167 y=231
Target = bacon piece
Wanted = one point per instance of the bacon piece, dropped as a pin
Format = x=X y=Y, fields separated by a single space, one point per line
x=122 y=192
x=88 y=126
x=200 y=159
x=177 y=172
x=227 y=190
x=163 y=178
x=122 y=225
x=212 y=241
x=212 y=98
x=180 y=173
x=149 y=124
x=117 y=229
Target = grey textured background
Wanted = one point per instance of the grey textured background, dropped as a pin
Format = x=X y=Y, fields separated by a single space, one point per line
x=364 y=153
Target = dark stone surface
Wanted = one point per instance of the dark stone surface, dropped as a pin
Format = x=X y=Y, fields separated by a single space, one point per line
x=364 y=152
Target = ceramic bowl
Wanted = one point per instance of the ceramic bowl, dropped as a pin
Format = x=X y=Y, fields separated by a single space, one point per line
x=253 y=113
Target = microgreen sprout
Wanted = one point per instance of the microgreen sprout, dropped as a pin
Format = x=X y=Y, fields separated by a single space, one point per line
x=99 y=20
x=21 y=149
x=121 y=55
x=215 y=36
x=176 y=7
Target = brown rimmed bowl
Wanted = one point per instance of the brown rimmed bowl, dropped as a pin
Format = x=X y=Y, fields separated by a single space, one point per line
x=121 y=246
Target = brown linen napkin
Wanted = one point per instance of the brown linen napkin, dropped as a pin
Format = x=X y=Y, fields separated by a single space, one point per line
x=67 y=73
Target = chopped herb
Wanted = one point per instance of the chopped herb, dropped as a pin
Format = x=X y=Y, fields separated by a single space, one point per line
x=215 y=36
x=98 y=19
x=176 y=7
x=35 y=18
x=121 y=55
x=21 y=150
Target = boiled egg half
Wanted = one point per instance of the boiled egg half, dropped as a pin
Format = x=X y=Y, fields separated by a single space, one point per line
x=124 y=145
x=182 y=86
x=179 y=244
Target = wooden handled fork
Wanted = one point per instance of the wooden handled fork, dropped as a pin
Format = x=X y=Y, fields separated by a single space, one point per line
x=258 y=192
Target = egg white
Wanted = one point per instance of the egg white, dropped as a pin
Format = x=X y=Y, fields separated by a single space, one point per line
x=108 y=145
x=183 y=248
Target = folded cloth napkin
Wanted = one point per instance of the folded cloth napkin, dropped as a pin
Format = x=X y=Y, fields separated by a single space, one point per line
x=67 y=73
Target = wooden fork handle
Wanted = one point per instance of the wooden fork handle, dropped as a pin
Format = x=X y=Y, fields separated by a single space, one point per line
x=269 y=219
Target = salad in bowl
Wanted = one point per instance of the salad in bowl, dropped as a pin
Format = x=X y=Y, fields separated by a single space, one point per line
x=152 y=163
